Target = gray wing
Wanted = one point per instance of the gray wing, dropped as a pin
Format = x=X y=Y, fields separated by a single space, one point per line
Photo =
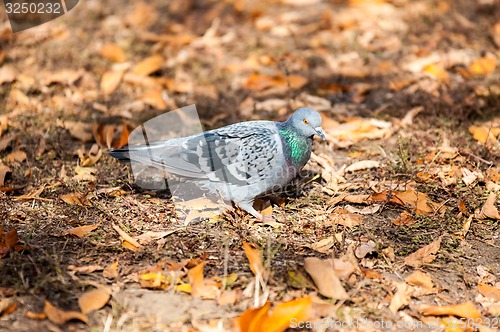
x=238 y=154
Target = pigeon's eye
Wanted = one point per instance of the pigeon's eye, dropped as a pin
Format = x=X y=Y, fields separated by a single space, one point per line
x=305 y=121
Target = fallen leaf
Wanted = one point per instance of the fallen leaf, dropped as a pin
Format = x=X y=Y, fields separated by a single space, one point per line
x=325 y=278
x=151 y=236
x=127 y=238
x=35 y=315
x=346 y=218
x=437 y=71
x=489 y=209
x=3 y=173
x=17 y=156
x=365 y=248
x=35 y=193
x=79 y=130
x=362 y=165
x=64 y=76
x=258 y=82
x=404 y=218
x=484 y=134
x=85 y=174
x=420 y=279
x=424 y=255
x=111 y=271
x=60 y=317
x=155 y=98
x=482 y=66
x=110 y=81
x=112 y=52
x=93 y=300
x=75 y=198
x=418 y=201
x=11 y=238
x=401 y=298
x=255 y=259
x=7 y=74
x=7 y=306
x=227 y=297
x=148 y=65
x=359 y=129
x=325 y=245
x=464 y=310
x=86 y=269
x=81 y=231
x=199 y=286
x=277 y=320
x=488 y=291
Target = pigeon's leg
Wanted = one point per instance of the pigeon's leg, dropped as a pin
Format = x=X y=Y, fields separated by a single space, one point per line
x=248 y=207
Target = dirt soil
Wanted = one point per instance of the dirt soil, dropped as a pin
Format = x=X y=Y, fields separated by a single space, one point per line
x=238 y=61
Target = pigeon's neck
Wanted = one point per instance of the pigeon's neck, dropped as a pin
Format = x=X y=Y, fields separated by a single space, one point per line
x=297 y=148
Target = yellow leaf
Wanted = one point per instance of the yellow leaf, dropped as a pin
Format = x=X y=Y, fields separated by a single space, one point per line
x=482 y=66
x=437 y=71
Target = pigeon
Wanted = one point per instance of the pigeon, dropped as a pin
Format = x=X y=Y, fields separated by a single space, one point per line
x=238 y=162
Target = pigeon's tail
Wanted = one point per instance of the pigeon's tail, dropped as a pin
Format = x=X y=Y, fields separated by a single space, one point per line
x=122 y=154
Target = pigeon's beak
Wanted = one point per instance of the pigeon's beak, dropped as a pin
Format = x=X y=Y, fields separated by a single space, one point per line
x=320 y=133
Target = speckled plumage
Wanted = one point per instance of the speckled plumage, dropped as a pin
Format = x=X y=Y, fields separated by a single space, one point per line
x=239 y=161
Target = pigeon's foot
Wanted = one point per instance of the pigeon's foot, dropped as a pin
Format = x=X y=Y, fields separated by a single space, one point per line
x=248 y=207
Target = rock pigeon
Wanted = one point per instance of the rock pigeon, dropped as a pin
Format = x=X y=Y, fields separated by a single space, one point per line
x=238 y=162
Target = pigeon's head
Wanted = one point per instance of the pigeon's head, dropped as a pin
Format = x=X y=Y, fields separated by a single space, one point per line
x=307 y=122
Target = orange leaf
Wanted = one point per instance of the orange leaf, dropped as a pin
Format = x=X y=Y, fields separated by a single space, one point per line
x=482 y=66
x=251 y=317
x=93 y=300
x=80 y=231
x=489 y=291
x=285 y=313
x=3 y=173
x=113 y=52
x=7 y=306
x=35 y=315
x=255 y=258
x=148 y=65
x=60 y=317
x=16 y=157
x=325 y=278
x=129 y=246
x=123 y=137
x=199 y=286
x=437 y=71
x=464 y=310
x=155 y=98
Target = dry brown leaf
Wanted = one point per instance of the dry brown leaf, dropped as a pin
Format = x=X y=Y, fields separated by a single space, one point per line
x=323 y=274
x=255 y=259
x=409 y=198
x=155 y=98
x=111 y=271
x=17 y=156
x=325 y=245
x=227 y=297
x=92 y=157
x=359 y=129
x=64 y=76
x=264 y=207
x=424 y=255
x=127 y=238
x=489 y=209
x=79 y=130
x=110 y=81
x=420 y=279
x=488 y=291
x=7 y=74
x=362 y=165
x=81 y=231
x=93 y=300
x=404 y=218
x=35 y=193
x=3 y=173
x=199 y=286
x=401 y=298
x=85 y=174
x=482 y=66
x=346 y=218
x=112 y=52
x=148 y=65
x=76 y=198
x=151 y=236
x=464 y=310
x=60 y=317
x=86 y=269
x=258 y=82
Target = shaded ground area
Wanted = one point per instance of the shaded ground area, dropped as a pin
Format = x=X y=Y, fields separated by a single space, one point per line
x=412 y=85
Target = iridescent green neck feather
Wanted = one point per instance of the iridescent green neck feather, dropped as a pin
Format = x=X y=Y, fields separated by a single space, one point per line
x=296 y=147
